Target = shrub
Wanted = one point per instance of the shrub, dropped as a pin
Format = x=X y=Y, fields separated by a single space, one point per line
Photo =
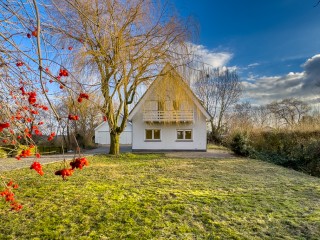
x=289 y=148
x=240 y=144
x=12 y=151
x=23 y=147
x=310 y=160
x=3 y=153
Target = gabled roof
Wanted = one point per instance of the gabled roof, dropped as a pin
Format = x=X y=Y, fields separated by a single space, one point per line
x=169 y=68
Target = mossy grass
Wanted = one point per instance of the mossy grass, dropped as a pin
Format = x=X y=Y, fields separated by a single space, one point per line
x=149 y=196
x=217 y=147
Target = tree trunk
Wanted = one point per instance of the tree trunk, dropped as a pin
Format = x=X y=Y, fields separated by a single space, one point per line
x=114 y=143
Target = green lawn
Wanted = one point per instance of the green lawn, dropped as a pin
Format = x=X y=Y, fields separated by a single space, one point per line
x=217 y=147
x=153 y=197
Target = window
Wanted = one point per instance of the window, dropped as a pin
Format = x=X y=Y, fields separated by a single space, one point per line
x=188 y=134
x=179 y=134
x=184 y=134
x=153 y=134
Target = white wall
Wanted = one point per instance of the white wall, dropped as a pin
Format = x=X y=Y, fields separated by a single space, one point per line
x=169 y=134
x=102 y=134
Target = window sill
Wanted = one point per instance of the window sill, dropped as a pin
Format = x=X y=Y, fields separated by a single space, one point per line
x=184 y=140
x=150 y=140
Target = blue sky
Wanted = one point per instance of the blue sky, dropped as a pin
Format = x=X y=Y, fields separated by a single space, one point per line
x=270 y=39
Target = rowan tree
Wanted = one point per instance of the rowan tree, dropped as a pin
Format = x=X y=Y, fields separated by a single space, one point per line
x=28 y=66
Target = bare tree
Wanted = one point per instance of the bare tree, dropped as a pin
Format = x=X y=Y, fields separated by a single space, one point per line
x=121 y=44
x=289 y=110
x=88 y=115
x=218 y=89
x=243 y=113
x=261 y=116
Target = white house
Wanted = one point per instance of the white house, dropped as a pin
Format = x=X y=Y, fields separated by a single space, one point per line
x=169 y=117
x=102 y=134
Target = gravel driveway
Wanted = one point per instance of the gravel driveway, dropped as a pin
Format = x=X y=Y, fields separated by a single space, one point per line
x=8 y=164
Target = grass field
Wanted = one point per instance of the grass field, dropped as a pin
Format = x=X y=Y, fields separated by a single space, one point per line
x=153 y=197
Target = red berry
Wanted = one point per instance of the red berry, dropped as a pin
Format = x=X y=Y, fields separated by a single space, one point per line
x=19 y=64
x=35 y=32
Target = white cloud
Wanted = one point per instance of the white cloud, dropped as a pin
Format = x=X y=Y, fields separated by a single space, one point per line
x=253 y=65
x=211 y=57
x=303 y=85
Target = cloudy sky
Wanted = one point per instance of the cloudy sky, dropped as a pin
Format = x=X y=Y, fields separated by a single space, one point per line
x=274 y=44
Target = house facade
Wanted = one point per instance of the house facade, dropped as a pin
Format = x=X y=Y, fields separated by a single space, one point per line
x=169 y=117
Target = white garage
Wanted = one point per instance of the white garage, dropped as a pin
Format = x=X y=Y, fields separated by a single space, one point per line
x=102 y=134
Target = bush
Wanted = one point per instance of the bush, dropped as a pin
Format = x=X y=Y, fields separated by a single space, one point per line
x=45 y=150
x=12 y=151
x=3 y=153
x=214 y=137
x=310 y=160
x=240 y=144
x=293 y=149
x=23 y=147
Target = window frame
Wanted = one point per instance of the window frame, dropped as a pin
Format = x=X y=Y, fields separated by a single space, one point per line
x=152 y=139
x=183 y=139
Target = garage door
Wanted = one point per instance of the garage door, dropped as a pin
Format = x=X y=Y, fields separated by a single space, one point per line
x=125 y=138
x=103 y=137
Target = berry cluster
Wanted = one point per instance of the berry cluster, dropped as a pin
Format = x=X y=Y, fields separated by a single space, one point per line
x=79 y=163
x=19 y=64
x=8 y=195
x=52 y=135
x=25 y=153
x=73 y=117
x=83 y=96
x=64 y=173
x=37 y=166
x=63 y=73
x=76 y=163
x=36 y=130
x=32 y=97
x=4 y=125
x=34 y=33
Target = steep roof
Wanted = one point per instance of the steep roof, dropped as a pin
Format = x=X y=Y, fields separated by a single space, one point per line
x=166 y=69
